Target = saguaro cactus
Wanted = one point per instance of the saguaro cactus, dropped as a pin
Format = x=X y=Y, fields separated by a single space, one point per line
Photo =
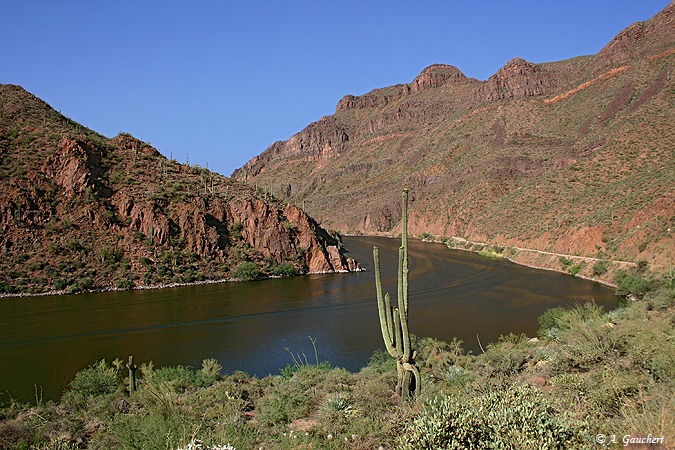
x=394 y=319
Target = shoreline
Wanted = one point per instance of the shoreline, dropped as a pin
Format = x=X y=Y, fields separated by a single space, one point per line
x=434 y=239
x=447 y=240
x=162 y=286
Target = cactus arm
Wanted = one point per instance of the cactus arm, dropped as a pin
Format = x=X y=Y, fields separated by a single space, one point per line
x=390 y=316
x=384 y=327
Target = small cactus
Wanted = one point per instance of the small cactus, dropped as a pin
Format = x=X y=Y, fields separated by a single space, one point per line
x=132 y=374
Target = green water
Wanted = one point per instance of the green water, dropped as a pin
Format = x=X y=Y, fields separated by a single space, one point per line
x=252 y=326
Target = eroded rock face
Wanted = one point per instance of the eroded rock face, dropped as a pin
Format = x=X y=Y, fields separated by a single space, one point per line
x=517 y=79
x=81 y=211
x=436 y=75
x=652 y=37
x=374 y=99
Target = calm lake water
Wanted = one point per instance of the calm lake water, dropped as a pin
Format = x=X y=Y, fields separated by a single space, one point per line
x=253 y=326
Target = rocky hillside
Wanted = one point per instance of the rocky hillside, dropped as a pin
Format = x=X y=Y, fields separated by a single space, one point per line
x=80 y=211
x=574 y=157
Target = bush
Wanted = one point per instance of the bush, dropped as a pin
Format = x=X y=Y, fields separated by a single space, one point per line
x=628 y=284
x=97 y=380
x=600 y=268
x=284 y=270
x=124 y=283
x=548 y=322
x=246 y=271
x=515 y=417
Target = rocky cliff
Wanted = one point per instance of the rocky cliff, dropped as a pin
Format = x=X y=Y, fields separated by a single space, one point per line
x=572 y=157
x=80 y=211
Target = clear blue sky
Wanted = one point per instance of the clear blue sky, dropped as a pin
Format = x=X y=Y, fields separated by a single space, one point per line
x=221 y=80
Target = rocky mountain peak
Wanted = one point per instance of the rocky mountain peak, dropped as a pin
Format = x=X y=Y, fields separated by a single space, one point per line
x=652 y=36
x=436 y=75
x=516 y=79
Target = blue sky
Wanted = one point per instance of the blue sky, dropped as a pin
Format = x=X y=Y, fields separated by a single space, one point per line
x=219 y=81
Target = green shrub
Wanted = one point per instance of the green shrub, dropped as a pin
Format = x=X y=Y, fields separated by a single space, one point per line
x=124 y=283
x=246 y=271
x=600 y=268
x=508 y=354
x=514 y=417
x=284 y=270
x=147 y=262
x=177 y=378
x=236 y=229
x=628 y=284
x=110 y=255
x=97 y=380
x=574 y=270
x=548 y=322
x=584 y=338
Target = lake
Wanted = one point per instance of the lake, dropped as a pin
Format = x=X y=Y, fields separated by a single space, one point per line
x=254 y=326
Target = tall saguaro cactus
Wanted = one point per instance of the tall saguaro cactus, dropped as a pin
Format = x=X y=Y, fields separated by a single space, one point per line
x=394 y=319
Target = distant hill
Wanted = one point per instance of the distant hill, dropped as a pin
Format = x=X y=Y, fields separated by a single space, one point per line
x=80 y=211
x=575 y=156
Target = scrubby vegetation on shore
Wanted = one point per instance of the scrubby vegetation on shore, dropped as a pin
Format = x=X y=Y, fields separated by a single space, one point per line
x=588 y=372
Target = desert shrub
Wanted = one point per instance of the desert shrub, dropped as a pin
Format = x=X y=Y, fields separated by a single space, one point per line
x=508 y=354
x=236 y=229
x=574 y=270
x=584 y=337
x=177 y=378
x=246 y=271
x=97 y=380
x=650 y=343
x=600 y=268
x=154 y=429
x=124 y=283
x=629 y=284
x=110 y=255
x=513 y=417
x=286 y=399
x=662 y=298
x=210 y=371
x=284 y=270
x=282 y=403
x=548 y=321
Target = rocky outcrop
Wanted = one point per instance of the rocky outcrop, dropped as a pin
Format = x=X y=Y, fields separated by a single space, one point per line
x=80 y=211
x=436 y=75
x=320 y=141
x=649 y=38
x=376 y=98
x=517 y=79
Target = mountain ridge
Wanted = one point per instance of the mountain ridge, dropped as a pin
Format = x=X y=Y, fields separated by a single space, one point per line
x=533 y=156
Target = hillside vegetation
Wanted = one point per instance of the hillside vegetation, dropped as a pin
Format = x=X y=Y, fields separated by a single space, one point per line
x=573 y=157
x=589 y=372
x=79 y=211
